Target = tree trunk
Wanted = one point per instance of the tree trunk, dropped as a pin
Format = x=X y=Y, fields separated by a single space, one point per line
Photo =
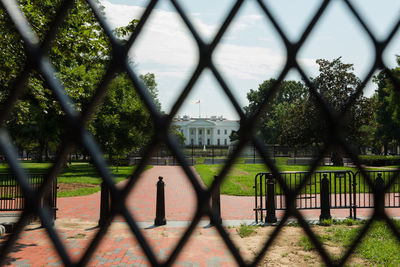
x=40 y=153
x=110 y=158
x=337 y=157
x=385 y=149
x=46 y=151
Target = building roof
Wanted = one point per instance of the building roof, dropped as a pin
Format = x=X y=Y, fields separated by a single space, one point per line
x=212 y=121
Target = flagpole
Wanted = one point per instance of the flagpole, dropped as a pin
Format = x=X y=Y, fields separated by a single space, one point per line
x=199 y=110
x=198 y=102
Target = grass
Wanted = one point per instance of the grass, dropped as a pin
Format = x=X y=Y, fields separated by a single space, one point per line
x=245 y=230
x=240 y=179
x=379 y=246
x=76 y=173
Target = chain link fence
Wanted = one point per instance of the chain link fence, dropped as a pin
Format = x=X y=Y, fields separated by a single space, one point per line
x=37 y=60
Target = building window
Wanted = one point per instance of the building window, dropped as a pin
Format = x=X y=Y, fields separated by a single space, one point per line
x=225 y=131
x=191 y=131
x=218 y=142
x=218 y=131
x=200 y=142
x=192 y=141
x=208 y=142
x=225 y=142
x=200 y=131
x=208 y=131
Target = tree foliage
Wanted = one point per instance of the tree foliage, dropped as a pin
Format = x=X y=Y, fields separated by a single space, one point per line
x=272 y=122
x=387 y=114
x=295 y=119
x=80 y=53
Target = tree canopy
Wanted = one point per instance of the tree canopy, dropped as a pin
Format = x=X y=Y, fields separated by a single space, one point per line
x=387 y=113
x=294 y=117
x=80 y=53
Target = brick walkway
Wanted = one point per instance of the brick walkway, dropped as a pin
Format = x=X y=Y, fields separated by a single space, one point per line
x=179 y=197
x=78 y=216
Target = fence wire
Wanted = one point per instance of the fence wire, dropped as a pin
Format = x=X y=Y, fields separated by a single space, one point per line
x=38 y=61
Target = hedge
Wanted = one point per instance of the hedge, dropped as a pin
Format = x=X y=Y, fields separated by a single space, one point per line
x=379 y=160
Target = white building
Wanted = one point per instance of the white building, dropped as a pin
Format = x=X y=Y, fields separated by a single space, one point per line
x=206 y=131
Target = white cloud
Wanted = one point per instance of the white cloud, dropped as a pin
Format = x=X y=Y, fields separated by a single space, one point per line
x=247 y=62
x=120 y=15
x=167 y=49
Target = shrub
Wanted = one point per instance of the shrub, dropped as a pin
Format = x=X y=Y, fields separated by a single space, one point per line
x=379 y=160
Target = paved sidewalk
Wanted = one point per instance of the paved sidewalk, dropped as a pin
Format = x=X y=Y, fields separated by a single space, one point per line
x=179 y=197
x=119 y=247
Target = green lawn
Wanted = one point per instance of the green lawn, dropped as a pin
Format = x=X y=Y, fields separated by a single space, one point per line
x=240 y=180
x=379 y=246
x=81 y=173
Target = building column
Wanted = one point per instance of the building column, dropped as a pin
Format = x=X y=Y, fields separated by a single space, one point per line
x=196 y=138
x=212 y=136
x=205 y=136
x=187 y=135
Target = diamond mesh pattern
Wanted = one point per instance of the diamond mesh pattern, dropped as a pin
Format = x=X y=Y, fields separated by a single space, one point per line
x=37 y=60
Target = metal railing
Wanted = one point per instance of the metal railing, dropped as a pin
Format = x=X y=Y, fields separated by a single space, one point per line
x=347 y=190
x=341 y=191
x=76 y=133
x=12 y=198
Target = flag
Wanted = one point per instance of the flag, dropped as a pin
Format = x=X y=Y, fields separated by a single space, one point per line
x=198 y=102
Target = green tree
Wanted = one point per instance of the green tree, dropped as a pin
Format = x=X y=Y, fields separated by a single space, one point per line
x=272 y=122
x=294 y=118
x=175 y=130
x=79 y=53
x=387 y=111
x=122 y=123
x=336 y=83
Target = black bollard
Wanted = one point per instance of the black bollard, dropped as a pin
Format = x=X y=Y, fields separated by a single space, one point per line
x=325 y=204
x=47 y=200
x=104 y=203
x=379 y=196
x=160 y=207
x=270 y=201
x=216 y=205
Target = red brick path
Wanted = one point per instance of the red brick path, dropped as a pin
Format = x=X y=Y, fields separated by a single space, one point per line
x=179 y=197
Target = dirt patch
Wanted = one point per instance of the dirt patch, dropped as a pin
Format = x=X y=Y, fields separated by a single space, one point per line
x=286 y=250
x=62 y=187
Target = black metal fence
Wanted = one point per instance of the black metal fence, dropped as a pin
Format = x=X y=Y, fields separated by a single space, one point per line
x=37 y=60
x=11 y=194
x=347 y=190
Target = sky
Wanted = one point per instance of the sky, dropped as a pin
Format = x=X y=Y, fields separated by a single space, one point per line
x=250 y=51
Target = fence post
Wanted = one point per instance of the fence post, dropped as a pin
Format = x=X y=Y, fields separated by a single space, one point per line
x=50 y=201
x=354 y=195
x=216 y=204
x=325 y=203
x=254 y=154
x=104 y=203
x=379 y=196
x=160 y=207
x=270 y=205
x=47 y=201
x=192 y=154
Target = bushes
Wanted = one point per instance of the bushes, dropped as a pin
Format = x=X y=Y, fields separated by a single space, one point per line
x=378 y=160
